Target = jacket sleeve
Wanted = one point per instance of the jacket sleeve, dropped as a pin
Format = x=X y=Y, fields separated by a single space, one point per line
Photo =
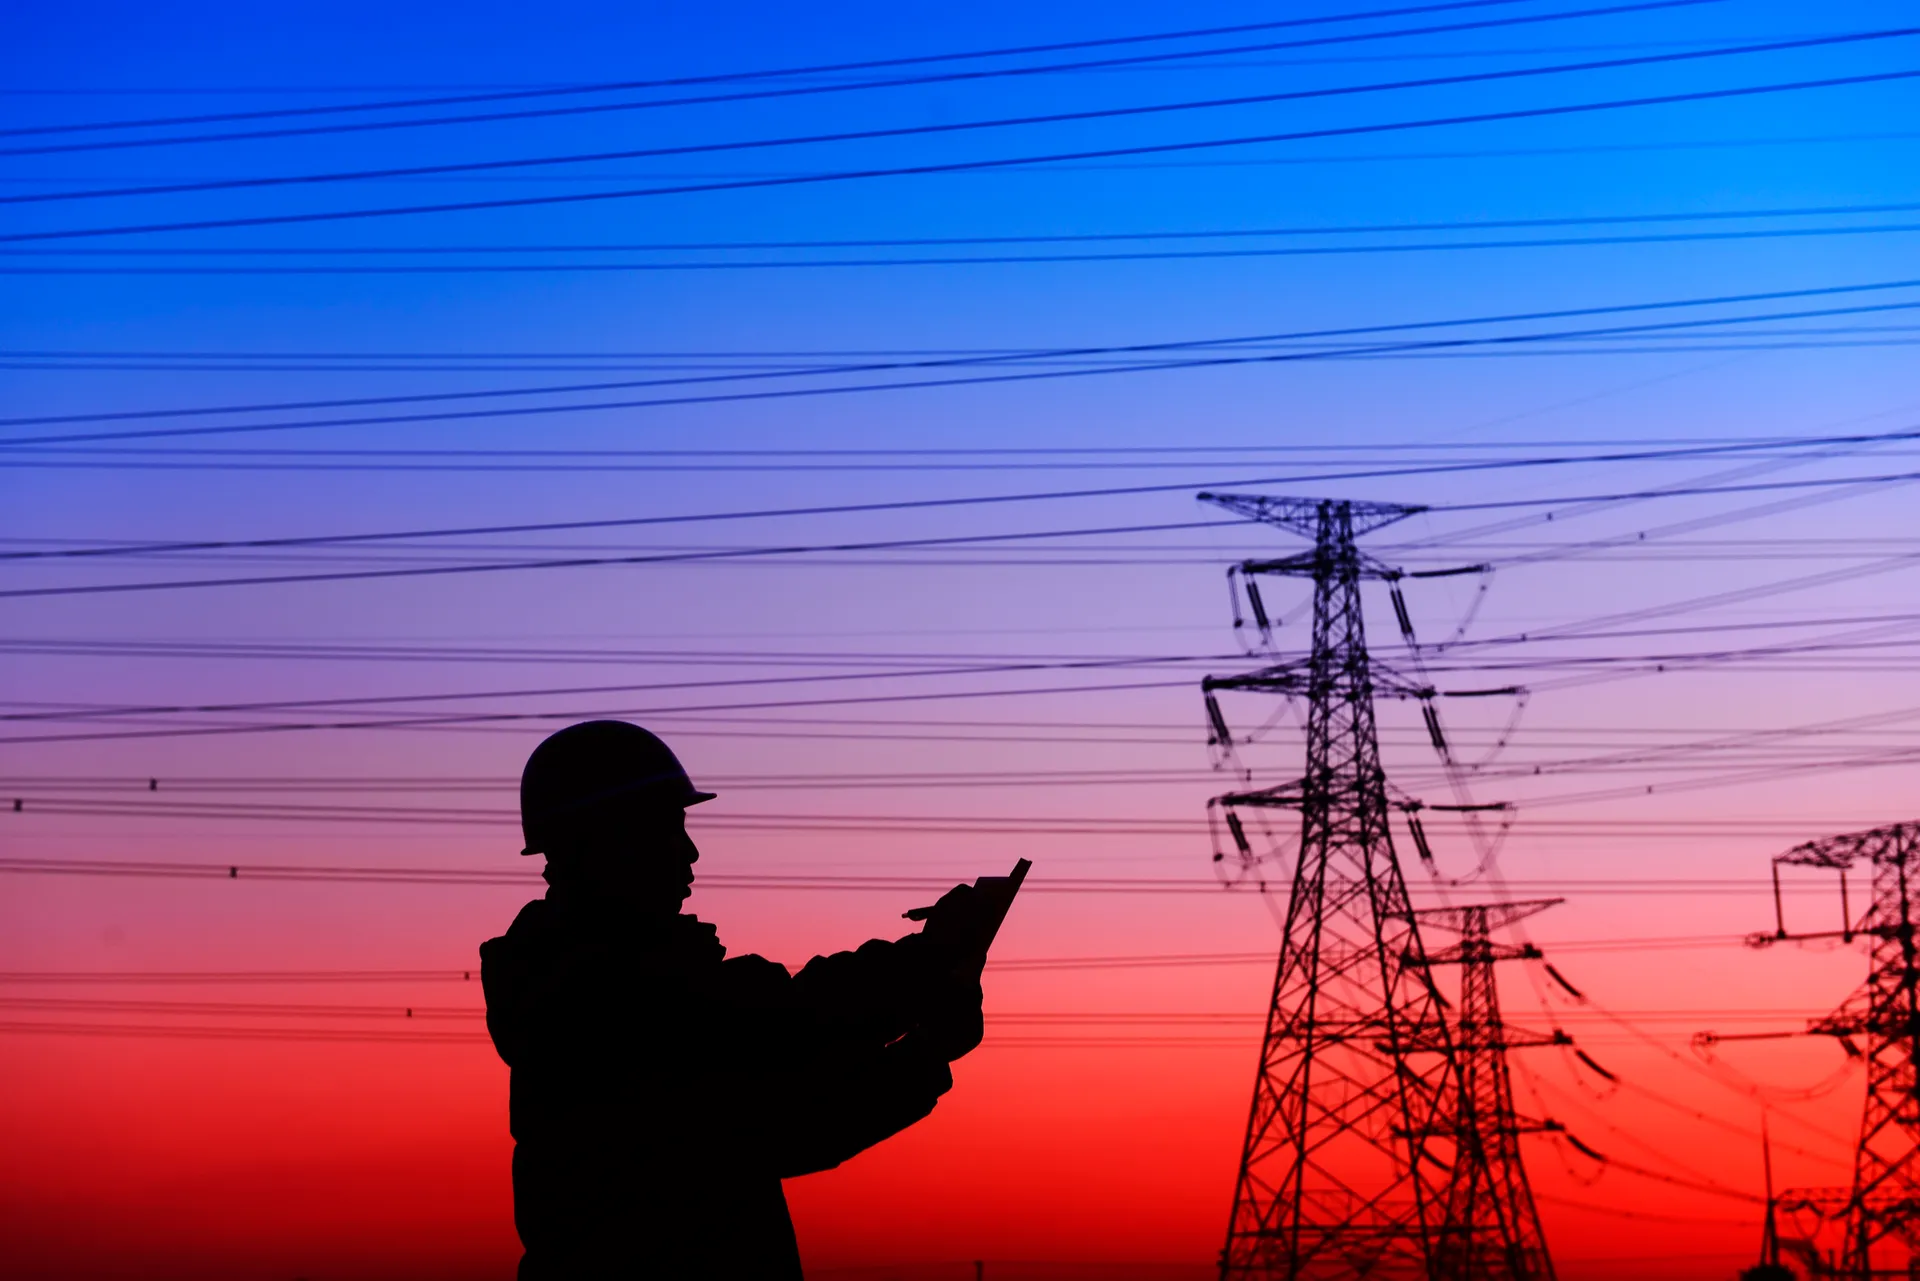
x=844 y=1103
x=854 y=1063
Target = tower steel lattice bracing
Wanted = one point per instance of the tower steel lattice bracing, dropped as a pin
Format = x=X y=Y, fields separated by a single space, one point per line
x=1880 y=1022
x=1491 y=1230
x=1347 y=1161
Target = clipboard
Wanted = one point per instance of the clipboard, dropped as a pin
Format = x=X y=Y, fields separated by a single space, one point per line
x=997 y=894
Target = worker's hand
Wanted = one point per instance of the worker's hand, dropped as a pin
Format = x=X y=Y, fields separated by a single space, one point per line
x=957 y=926
x=950 y=1022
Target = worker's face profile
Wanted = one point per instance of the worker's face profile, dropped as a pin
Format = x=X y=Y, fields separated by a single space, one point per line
x=658 y=837
x=637 y=852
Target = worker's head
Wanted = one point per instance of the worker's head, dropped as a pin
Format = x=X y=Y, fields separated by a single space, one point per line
x=606 y=802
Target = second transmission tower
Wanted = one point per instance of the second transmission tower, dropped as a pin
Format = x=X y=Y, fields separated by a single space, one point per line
x=1492 y=1229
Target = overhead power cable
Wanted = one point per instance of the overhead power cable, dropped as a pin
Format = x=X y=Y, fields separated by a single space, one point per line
x=440 y=248
x=99 y=712
x=963 y=166
x=690 y=557
x=833 y=68
x=808 y=90
x=379 y=700
x=907 y=884
x=1035 y=354
x=572 y=562
x=1264 y=162
x=445 y=720
x=176 y=1008
x=1153 y=361
x=941 y=129
x=1824 y=443
x=476 y=653
x=975 y=260
x=1142 y=960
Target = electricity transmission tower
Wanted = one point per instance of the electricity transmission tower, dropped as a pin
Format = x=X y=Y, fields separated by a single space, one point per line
x=1349 y=1152
x=1491 y=1230
x=1880 y=1023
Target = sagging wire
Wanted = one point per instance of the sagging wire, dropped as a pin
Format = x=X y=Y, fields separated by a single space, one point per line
x=1775 y=1095
x=1734 y=1127
x=1616 y=1083
x=1690 y=1179
x=1287 y=710
x=1585 y=1178
x=1752 y=1092
x=1472 y=610
x=1487 y=847
x=1521 y=696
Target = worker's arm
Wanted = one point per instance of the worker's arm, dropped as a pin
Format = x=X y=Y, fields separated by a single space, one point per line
x=848 y=1052
x=883 y=991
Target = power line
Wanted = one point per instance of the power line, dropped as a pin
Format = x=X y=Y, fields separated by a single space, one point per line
x=378 y=700
x=1159 y=357
x=962 y=166
x=1585 y=831
x=981 y=241
x=785 y=92
x=661 y=558
x=467 y=720
x=1264 y=162
x=906 y=131
x=509 y=876
x=1168 y=960
x=730 y=77
x=575 y=562
x=1686 y=451
x=1262 y=344
x=42 y=714
x=970 y=260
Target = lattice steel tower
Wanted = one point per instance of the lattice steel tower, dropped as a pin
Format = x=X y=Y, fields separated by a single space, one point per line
x=1491 y=1229
x=1348 y=1157
x=1880 y=1022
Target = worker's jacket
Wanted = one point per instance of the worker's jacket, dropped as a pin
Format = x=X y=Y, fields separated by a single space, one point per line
x=661 y=1091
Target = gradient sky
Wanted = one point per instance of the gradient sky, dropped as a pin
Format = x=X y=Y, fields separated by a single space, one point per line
x=1712 y=676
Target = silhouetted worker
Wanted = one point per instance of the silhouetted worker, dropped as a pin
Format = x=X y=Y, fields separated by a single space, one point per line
x=661 y=1090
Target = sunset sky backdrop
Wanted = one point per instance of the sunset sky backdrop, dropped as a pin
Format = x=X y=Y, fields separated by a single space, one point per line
x=937 y=593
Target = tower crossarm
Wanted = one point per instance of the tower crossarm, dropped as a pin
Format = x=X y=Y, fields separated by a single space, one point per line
x=1286 y=796
x=1897 y=843
x=1478 y=918
x=1281 y=678
x=1858 y=1017
x=1314 y=563
x=1507 y=1037
x=1828 y=1203
x=1507 y=1128
x=1303 y=516
x=1474 y=952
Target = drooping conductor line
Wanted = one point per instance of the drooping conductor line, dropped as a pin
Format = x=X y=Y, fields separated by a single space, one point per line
x=1381 y=1138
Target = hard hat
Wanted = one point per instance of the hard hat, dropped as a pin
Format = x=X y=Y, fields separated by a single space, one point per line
x=584 y=766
